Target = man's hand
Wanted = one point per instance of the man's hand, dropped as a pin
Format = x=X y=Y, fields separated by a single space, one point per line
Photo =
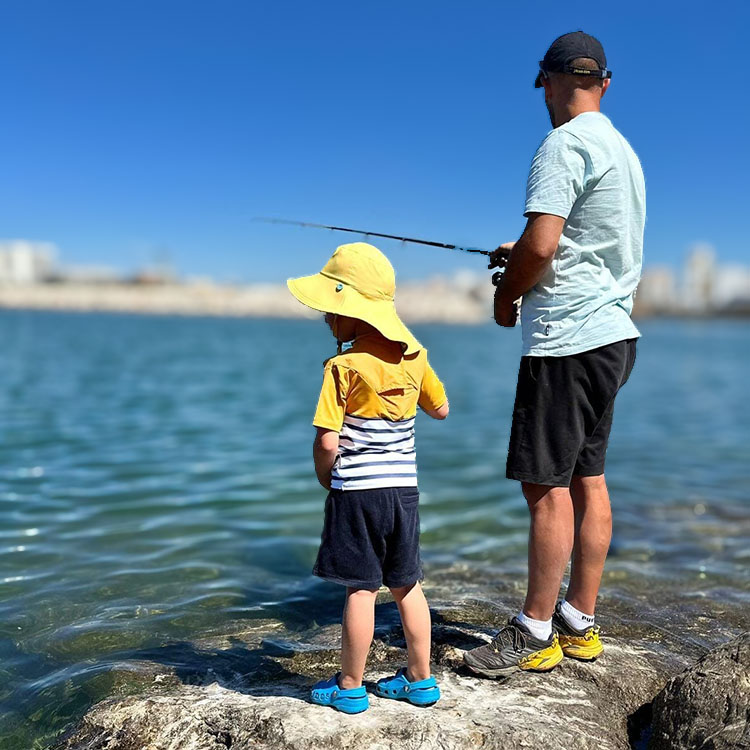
x=499 y=257
x=526 y=264
x=506 y=314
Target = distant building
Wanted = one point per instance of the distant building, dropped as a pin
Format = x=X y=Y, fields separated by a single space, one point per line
x=86 y=275
x=26 y=262
x=155 y=275
x=657 y=291
x=699 y=279
x=731 y=287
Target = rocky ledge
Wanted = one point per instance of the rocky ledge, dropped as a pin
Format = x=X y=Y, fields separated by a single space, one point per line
x=255 y=696
x=708 y=705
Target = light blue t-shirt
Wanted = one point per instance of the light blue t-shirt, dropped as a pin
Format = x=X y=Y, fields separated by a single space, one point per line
x=588 y=174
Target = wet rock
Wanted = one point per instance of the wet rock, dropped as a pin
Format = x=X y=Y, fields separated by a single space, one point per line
x=708 y=705
x=578 y=706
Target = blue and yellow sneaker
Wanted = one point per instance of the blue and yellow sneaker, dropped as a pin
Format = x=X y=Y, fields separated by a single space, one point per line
x=328 y=693
x=514 y=648
x=577 y=644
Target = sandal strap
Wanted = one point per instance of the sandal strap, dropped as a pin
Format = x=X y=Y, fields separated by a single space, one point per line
x=426 y=684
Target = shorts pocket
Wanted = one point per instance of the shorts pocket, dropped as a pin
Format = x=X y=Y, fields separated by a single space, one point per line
x=408 y=496
x=535 y=364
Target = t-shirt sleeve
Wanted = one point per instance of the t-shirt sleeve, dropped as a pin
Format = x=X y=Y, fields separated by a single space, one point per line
x=557 y=176
x=332 y=399
x=432 y=394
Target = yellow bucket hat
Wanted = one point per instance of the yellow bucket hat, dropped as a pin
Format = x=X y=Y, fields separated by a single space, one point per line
x=359 y=282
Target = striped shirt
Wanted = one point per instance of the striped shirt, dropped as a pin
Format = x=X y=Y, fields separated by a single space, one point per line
x=375 y=453
x=370 y=396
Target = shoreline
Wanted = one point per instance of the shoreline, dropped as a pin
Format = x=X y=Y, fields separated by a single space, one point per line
x=250 y=683
x=433 y=301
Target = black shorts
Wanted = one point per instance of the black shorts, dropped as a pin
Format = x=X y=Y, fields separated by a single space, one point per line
x=563 y=413
x=371 y=538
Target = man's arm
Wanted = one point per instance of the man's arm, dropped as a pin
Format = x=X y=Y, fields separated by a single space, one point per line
x=325 y=450
x=528 y=262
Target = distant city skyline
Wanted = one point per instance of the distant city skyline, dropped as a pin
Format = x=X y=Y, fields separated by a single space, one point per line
x=161 y=257
x=701 y=285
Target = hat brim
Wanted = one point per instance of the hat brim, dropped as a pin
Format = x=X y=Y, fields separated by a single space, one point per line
x=320 y=293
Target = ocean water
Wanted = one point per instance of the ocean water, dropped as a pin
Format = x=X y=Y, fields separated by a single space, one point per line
x=156 y=484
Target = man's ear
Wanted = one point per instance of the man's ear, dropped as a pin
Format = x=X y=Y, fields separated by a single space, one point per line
x=605 y=86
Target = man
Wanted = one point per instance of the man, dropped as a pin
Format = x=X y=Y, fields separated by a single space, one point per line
x=576 y=266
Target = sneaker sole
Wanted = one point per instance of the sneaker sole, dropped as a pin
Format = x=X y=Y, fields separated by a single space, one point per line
x=583 y=654
x=492 y=673
x=504 y=671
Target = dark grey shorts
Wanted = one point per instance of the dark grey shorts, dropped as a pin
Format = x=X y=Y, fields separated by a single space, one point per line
x=370 y=538
x=563 y=413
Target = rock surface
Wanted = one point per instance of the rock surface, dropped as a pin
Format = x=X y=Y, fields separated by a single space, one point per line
x=708 y=705
x=582 y=706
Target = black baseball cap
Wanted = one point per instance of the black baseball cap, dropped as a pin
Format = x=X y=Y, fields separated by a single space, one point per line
x=567 y=48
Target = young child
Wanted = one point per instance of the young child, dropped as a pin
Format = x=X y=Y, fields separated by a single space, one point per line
x=364 y=455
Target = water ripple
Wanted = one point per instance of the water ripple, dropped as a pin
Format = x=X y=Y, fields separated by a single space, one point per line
x=157 y=483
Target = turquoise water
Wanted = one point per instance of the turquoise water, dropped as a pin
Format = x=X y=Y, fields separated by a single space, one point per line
x=157 y=487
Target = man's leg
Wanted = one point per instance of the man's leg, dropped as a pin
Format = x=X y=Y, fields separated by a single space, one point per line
x=550 y=545
x=574 y=619
x=593 y=532
x=593 y=515
x=528 y=640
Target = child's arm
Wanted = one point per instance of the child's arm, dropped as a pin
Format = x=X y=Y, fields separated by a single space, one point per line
x=325 y=450
x=440 y=413
x=328 y=420
x=432 y=396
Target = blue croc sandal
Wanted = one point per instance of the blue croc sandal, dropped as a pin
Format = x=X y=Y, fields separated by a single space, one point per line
x=421 y=693
x=328 y=693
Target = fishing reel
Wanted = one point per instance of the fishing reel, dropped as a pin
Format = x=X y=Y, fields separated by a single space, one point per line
x=499 y=261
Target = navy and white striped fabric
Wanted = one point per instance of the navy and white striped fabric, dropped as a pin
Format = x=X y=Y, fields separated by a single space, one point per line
x=375 y=453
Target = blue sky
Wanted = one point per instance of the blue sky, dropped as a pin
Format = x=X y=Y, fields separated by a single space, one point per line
x=139 y=129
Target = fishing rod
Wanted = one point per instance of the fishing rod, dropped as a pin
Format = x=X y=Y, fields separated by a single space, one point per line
x=494 y=262
x=413 y=240
x=364 y=232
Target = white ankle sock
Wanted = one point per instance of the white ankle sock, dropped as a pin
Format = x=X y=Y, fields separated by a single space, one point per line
x=541 y=629
x=574 y=617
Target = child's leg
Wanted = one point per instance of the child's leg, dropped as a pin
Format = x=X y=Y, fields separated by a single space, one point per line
x=358 y=626
x=415 y=618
